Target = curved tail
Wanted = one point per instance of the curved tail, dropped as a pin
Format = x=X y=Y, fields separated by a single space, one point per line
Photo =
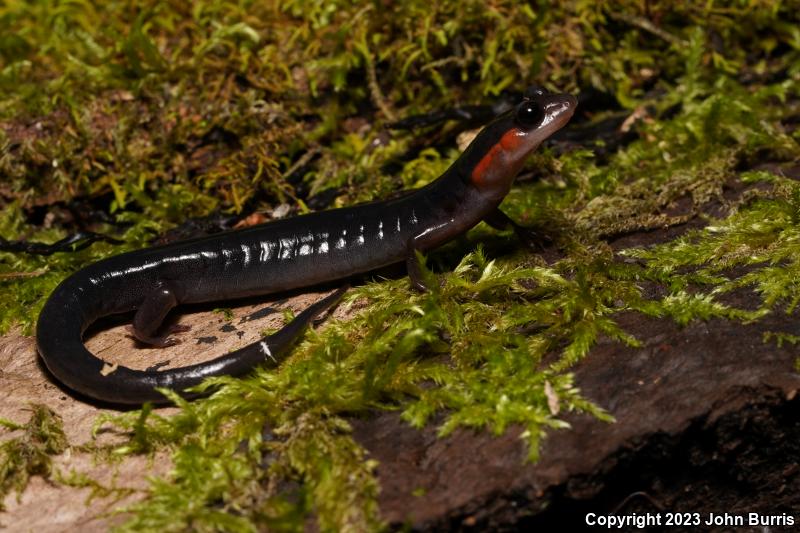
x=59 y=334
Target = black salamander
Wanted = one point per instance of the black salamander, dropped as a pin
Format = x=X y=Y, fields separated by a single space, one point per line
x=285 y=254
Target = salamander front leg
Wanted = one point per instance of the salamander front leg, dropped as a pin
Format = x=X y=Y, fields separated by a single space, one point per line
x=530 y=237
x=151 y=313
x=427 y=240
x=415 y=270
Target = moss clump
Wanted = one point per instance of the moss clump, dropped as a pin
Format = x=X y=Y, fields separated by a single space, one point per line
x=30 y=454
x=760 y=238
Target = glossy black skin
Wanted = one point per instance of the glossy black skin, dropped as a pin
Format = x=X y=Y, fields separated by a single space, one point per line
x=274 y=257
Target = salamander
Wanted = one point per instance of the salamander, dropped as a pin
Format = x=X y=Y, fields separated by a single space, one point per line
x=281 y=255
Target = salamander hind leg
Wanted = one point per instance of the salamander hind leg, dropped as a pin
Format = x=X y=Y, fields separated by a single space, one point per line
x=151 y=313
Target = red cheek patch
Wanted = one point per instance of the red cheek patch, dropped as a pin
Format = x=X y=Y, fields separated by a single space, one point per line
x=511 y=139
x=484 y=165
x=508 y=142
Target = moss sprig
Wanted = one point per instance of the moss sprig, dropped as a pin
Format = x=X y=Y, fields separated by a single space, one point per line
x=31 y=453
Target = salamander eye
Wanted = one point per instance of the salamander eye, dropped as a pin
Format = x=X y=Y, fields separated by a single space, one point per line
x=530 y=114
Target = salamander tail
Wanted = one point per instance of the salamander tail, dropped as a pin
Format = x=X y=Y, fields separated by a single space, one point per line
x=59 y=340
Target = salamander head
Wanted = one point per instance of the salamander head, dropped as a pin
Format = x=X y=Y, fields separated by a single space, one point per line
x=503 y=145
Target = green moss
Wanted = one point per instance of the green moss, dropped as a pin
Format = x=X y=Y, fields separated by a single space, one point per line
x=30 y=454
x=226 y=312
x=156 y=113
x=761 y=236
x=81 y=480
